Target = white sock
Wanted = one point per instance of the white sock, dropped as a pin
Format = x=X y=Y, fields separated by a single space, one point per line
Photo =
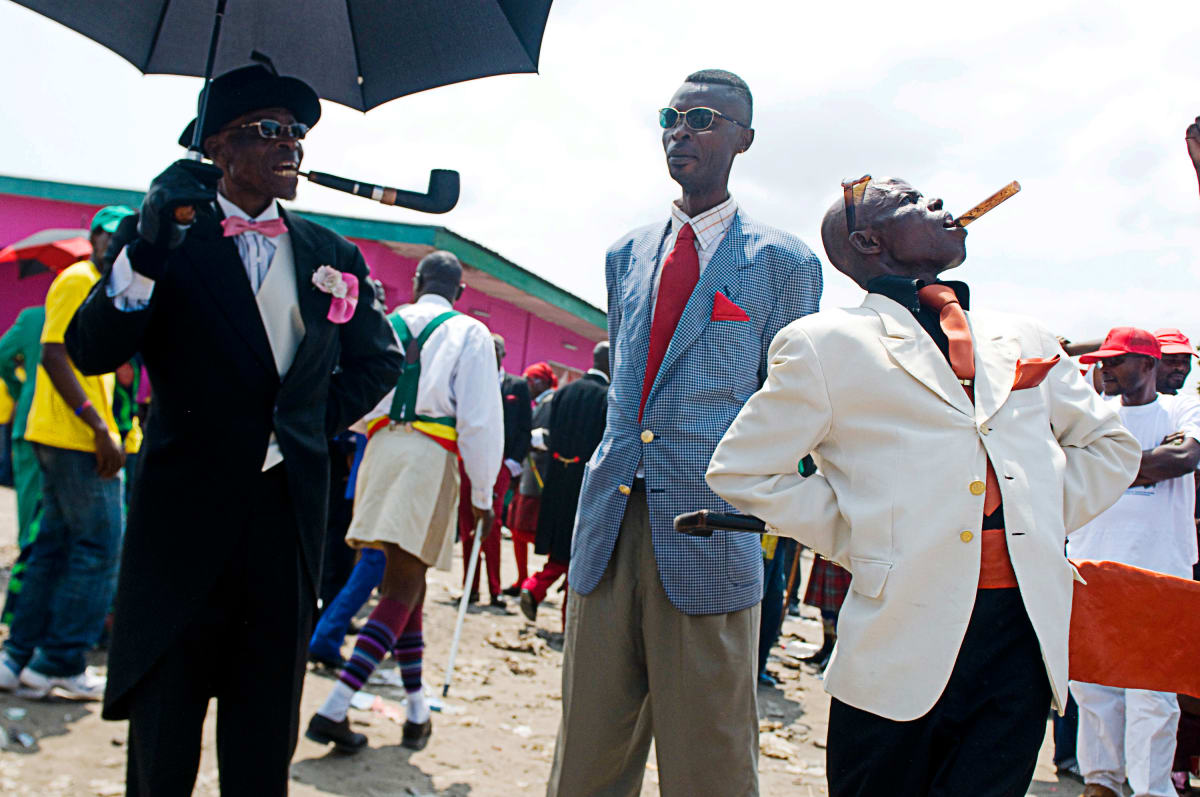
x=418 y=707
x=338 y=703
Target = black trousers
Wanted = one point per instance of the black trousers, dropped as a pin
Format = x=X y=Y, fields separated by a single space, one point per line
x=246 y=647
x=981 y=737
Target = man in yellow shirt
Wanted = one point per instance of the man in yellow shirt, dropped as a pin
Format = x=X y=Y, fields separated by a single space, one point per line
x=71 y=569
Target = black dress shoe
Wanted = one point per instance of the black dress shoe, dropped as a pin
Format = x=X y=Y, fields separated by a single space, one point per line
x=529 y=605
x=323 y=730
x=416 y=734
x=474 y=598
x=498 y=602
x=513 y=592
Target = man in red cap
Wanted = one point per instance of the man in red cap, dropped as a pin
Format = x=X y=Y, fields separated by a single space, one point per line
x=1176 y=362
x=1130 y=733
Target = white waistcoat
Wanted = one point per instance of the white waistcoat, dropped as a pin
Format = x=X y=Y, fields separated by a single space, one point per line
x=279 y=306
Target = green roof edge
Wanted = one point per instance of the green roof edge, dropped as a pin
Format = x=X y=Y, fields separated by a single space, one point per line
x=438 y=237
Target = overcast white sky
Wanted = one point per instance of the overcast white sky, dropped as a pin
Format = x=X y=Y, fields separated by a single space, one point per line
x=1084 y=102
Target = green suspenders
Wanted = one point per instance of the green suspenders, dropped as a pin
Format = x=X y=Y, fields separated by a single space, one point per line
x=404 y=404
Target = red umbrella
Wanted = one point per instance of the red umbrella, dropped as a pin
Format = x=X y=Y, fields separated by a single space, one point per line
x=48 y=250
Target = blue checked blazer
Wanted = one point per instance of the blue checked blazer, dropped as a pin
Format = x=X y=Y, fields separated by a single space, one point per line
x=710 y=370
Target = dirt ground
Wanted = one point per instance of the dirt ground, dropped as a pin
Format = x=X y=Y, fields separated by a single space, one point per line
x=495 y=735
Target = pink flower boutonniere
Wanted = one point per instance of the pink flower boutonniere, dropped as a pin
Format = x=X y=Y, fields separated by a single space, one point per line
x=342 y=289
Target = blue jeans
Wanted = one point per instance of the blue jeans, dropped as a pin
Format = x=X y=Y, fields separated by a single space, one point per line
x=71 y=570
x=335 y=619
x=774 y=585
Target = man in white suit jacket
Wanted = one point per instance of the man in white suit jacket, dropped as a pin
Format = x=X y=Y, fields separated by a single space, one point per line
x=949 y=648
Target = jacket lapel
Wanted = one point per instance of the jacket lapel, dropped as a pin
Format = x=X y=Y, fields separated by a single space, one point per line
x=723 y=273
x=995 y=369
x=308 y=252
x=219 y=268
x=637 y=288
x=916 y=352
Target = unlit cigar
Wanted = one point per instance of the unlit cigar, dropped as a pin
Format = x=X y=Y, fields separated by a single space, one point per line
x=988 y=204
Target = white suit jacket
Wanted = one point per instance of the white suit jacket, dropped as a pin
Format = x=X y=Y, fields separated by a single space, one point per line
x=898 y=444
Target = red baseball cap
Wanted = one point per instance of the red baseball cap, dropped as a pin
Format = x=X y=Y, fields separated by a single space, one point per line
x=1125 y=340
x=1172 y=341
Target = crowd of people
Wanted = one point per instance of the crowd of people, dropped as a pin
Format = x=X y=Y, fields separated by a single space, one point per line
x=942 y=502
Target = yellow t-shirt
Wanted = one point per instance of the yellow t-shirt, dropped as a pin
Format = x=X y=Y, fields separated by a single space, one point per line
x=51 y=421
x=7 y=405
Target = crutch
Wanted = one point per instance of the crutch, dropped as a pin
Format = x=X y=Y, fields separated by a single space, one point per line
x=472 y=565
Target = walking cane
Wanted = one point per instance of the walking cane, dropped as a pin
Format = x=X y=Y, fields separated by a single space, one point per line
x=462 y=604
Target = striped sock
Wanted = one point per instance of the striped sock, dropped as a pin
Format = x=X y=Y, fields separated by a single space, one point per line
x=409 y=652
x=374 y=641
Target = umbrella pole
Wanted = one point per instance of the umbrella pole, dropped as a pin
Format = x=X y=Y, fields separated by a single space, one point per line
x=194 y=151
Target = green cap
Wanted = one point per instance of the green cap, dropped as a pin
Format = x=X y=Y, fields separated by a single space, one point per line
x=107 y=218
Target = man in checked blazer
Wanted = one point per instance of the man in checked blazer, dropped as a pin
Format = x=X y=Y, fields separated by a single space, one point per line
x=661 y=628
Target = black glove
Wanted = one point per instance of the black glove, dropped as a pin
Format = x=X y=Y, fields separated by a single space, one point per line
x=183 y=183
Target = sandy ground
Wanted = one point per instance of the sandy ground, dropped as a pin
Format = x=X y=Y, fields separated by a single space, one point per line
x=495 y=735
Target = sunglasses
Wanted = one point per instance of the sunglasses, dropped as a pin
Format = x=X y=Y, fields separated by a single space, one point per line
x=271 y=130
x=852 y=192
x=695 y=118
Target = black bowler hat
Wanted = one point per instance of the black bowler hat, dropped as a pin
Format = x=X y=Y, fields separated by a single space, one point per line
x=248 y=89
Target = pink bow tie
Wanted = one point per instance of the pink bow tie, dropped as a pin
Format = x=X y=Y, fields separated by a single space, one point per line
x=236 y=225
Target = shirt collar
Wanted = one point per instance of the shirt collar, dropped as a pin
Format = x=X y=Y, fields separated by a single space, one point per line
x=709 y=226
x=230 y=210
x=433 y=298
x=903 y=290
x=599 y=373
x=548 y=391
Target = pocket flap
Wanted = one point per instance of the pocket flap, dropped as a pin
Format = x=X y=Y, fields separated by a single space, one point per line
x=868 y=575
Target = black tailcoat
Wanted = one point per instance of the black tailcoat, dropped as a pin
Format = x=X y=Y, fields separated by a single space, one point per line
x=518 y=415
x=217 y=398
x=577 y=417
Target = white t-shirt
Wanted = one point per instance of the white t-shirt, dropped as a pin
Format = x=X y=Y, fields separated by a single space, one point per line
x=1150 y=527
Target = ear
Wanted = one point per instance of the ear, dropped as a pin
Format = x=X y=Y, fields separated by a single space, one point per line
x=458 y=294
x=747 y=140
x=865 y=243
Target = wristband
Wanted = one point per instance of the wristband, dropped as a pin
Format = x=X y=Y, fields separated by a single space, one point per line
x=79 y=410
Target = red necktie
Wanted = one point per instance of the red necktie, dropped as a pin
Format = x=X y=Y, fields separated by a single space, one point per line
x=680 y=273
x=943 y=300
x=235 y=225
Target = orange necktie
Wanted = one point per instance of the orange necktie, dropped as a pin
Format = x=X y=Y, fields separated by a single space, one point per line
x=943 y=300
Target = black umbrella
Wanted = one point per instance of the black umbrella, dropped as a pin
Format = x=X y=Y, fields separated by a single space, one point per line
x=359 y=53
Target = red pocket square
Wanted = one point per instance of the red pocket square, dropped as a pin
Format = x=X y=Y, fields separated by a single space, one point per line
x=726 y=310
x=1031 y=372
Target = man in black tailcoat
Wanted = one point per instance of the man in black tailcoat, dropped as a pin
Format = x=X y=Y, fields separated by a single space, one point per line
x=221 y=563
x=577 y=419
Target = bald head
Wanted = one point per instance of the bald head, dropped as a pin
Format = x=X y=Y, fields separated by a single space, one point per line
x=439 y=273
x=898 y=231
x=600 y=357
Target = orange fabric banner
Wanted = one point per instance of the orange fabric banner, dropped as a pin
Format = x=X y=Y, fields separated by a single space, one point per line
x=1134 y=629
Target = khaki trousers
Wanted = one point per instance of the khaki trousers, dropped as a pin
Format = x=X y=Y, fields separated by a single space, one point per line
x=635 y=667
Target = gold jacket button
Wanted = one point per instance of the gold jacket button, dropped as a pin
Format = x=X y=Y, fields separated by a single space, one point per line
x=977 y=487
x=647 y=436
x=625 y=489
x=966 y=536
x=984 y=429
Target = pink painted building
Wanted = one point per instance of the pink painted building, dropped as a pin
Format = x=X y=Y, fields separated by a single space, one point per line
x=538 y=320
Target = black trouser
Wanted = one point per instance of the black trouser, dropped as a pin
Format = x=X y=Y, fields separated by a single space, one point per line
x=246 y=647
x=981 y=737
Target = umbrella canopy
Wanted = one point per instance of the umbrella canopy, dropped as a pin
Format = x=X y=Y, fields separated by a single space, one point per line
x=48 y=250
x=359 y=53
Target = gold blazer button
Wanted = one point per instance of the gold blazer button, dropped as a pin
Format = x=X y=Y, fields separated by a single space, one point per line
x=966 y=536
x=625 y=489
x=647 y=436
x=977 y=487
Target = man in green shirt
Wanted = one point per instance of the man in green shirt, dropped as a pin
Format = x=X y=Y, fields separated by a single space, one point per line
x=21 y=350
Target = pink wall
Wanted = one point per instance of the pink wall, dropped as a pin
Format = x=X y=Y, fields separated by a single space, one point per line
x=528 y=338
